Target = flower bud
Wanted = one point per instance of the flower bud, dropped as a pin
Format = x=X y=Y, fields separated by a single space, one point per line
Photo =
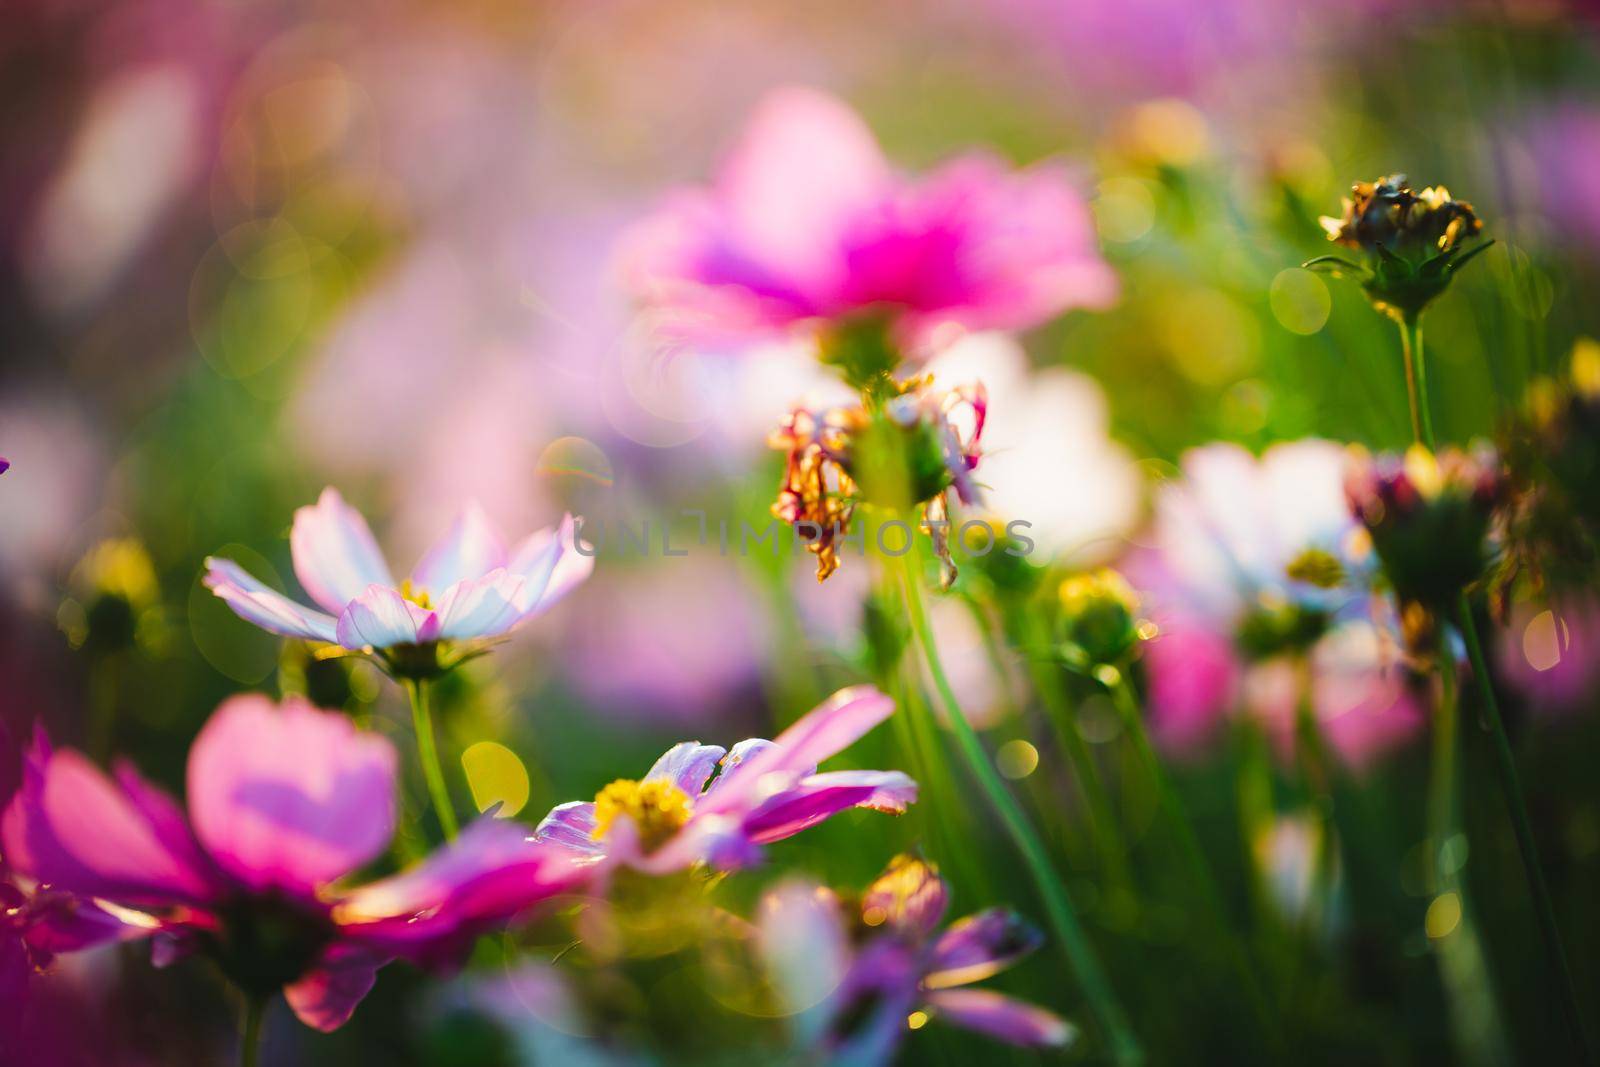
x=1429 y=516
x=1099 y=615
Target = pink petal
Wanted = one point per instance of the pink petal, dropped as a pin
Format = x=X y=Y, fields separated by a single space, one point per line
x=471 y=549
x=382 y=618
x=687 y=765
x=254 y=602
x=805 y=168
x=571 y=825
x=480 y=607
x=833 y=725
x=980 y=945
x=1004 y=1018
x=335 y=556
x=822 y=796
x=290 y=798
x=489 y=875
x=551 y=567
x=326 y=996
x=71 y=827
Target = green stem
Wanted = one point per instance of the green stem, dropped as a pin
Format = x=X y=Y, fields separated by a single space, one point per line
x=1102 y=820
x=1080 y=954
x=422 y=723
x=1127 y=705
x=250 y=1032
x=1416 y=379
x=1442 y=775
x=1506 y=765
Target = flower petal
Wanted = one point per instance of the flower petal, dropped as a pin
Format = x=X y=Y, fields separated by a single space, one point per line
x=254 y=602
x=980 y=945
x=382 y=618
x=480 y=607
x=326 y=996
x=551 y=565
x=571 y=825
x=71 y=826
x=833 y=725
x=290 y=798
x=471 y=549
x=1004 y=1018
x=687 y=765
x=335 y=556
x=822 y=796
x=489 y=875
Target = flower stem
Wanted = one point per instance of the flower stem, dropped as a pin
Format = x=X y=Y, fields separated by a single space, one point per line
x=1416 y=379
x=250 y=1031
x=1126 y=703
x=1506 y=765
x=422 y=723
x=1080 y=954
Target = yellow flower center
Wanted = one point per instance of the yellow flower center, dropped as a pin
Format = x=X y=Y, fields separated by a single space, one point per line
x=416 y=594
x=1317 y=567
x=658 y=809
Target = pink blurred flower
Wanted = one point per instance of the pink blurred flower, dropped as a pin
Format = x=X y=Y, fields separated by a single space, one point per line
x=864 y=973
x=806 y=221
x=1253 y=564
x=1565 y=178
x=284 y=802
x=1548 y=653
x=466 y=587
x=766 y=791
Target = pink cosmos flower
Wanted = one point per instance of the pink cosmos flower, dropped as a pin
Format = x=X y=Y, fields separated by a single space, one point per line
x=806 y=222
x=1547 y=652
x=901 y=963
x=765 y=791
x=284 y=803
x=1254 y=562
x=467 y=587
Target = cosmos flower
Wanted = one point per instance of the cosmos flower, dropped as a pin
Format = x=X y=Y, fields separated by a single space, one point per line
x=285 y=802
x=911 y=447
x=807 y=224
x=1414 y=243
x=467 y=588
x=893 y=968
x=1256 y=564
x=679 y=815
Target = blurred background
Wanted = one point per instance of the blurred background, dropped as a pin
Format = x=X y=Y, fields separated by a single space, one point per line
x=248 y=250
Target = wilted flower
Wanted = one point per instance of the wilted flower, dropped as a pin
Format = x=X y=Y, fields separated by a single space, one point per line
x=1429 y=517
x=896 y=968
x=284 y=802
x=909 y=448
x=1413 y=242
x=808 y=224
x=467 y=588
x=679 y=815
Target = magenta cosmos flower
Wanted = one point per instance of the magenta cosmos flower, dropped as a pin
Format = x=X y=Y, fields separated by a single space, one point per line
x=807 y=222
x=763 y=791
x=466 y=588
x=884 y=965
x=284 y=803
